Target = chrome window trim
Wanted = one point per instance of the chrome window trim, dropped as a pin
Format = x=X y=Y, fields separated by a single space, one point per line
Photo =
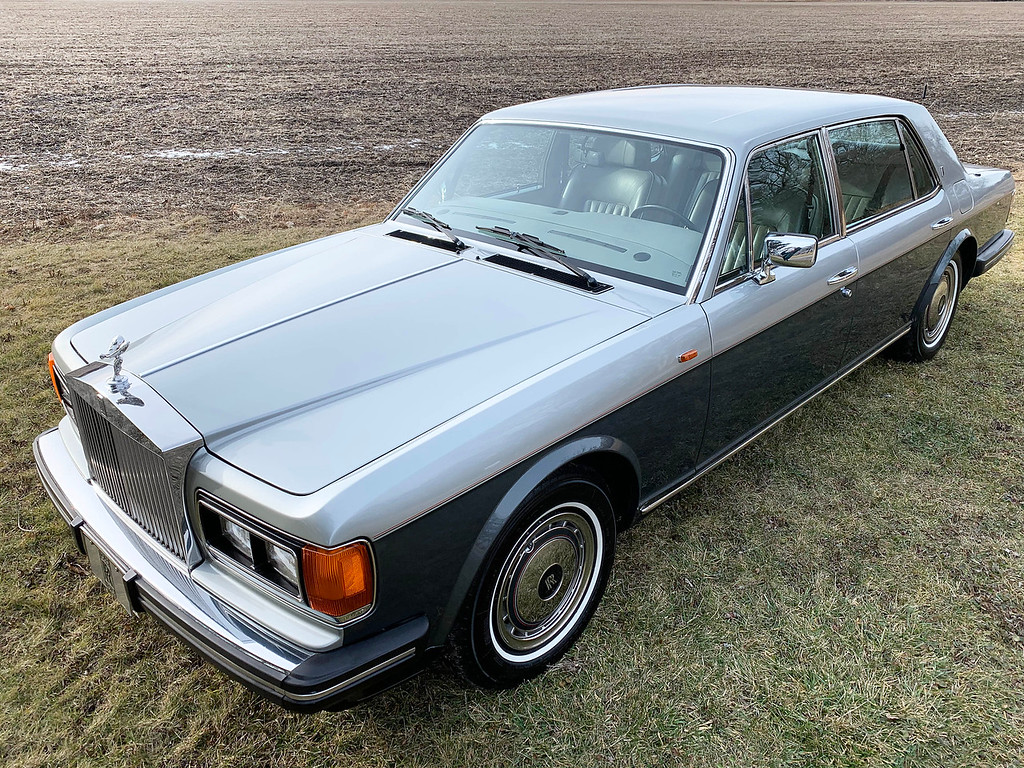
x=906 y=159
x=898 y=119
x=892 y=212
x=832 y=171
x=266 y=586
x=711 y=235
x=743 y=275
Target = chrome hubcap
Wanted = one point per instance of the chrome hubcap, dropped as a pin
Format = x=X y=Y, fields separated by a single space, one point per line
x=545 y=582
x=940 y=309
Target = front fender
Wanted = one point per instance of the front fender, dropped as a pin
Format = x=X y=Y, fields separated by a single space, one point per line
x=539 y=468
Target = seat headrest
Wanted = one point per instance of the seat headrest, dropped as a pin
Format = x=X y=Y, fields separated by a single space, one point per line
x=626 y=153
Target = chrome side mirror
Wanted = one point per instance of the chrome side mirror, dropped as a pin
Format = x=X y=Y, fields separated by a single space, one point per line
x=786 y=251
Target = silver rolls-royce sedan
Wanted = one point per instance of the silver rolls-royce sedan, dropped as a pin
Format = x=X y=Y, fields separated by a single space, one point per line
x=323 y=466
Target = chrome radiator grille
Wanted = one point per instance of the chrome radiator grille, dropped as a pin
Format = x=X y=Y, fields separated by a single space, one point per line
x=133 y=476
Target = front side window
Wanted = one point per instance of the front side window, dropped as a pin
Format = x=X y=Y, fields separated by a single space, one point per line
x=615 y=203
x=788 y=193
x=873 y=171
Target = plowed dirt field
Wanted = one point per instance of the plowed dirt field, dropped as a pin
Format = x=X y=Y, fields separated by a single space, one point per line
x=114 y=112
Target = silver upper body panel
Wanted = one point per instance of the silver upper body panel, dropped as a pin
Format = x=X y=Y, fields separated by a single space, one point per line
x=346 y=386
x=302 y=374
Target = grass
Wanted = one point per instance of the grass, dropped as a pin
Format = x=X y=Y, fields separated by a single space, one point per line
x=847 y=591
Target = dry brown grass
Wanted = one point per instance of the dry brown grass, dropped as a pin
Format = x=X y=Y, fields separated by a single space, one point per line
x=847 y=591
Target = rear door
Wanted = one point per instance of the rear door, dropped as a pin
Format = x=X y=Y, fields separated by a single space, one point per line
x=776 y=342
x=899 y=218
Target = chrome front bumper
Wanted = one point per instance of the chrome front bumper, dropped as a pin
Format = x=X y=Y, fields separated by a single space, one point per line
x=292 y=676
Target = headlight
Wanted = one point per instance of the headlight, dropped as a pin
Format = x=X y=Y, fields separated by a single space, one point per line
x=257 y=551
x=337 y=581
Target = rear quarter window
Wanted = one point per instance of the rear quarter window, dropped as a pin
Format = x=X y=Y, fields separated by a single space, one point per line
x=924 y=180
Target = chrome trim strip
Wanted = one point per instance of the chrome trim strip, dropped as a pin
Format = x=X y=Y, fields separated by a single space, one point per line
x=832 y=172
x=893 y=211
x=645 y=508
x=354 y=680
x=901 y=132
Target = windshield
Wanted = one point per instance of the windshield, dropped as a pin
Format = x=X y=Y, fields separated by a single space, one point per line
x=618 y=204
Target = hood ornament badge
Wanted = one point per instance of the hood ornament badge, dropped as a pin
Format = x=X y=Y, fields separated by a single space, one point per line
x=119 y=383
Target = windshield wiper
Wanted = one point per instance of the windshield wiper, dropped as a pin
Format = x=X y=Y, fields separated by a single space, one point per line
x=538 y=247
x=432 y=221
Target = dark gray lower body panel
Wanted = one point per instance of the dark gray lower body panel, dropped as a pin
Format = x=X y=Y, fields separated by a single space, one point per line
x=993 y=251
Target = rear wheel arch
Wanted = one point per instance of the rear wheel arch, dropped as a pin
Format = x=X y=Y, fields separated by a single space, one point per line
x=966 y=245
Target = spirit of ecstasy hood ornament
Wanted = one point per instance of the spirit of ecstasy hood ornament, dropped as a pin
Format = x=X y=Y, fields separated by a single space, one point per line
x=117 y=382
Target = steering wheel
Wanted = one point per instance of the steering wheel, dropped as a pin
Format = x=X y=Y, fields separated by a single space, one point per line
x=675 y=214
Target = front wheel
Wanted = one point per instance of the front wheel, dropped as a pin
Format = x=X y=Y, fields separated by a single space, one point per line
x=542 y=583
x=935 y=313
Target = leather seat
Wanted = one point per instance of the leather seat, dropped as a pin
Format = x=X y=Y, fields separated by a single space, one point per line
x=615 y=178
x=692 y=185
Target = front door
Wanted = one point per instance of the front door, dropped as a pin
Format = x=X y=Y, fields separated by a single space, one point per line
x=775 y=342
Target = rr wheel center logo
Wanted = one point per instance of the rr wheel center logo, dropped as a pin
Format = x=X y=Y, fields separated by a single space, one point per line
x=550 y=582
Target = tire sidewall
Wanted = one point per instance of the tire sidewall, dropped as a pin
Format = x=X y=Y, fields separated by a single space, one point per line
x=491 y=667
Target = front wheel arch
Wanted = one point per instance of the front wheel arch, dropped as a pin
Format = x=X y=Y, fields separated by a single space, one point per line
x=509 y=629
x=600 y=453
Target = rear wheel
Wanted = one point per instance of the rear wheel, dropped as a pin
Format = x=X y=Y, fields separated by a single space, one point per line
x=935 y=313
x=543 y=581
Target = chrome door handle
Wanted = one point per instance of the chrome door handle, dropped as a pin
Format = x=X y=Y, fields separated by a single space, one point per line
x=842 y=277
x=942 y=222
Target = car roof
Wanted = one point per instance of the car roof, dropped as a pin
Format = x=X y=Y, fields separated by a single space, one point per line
x=731 y=116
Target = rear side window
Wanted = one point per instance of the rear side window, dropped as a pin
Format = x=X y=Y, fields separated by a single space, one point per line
x=873 y=171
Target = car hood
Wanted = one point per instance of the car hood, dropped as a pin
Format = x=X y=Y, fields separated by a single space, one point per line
x=303 y=369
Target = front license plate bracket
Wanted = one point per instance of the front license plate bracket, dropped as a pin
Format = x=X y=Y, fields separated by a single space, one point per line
x=117 y=580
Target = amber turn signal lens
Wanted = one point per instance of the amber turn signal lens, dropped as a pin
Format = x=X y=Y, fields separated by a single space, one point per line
x=53 y=376
x=338 y=581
